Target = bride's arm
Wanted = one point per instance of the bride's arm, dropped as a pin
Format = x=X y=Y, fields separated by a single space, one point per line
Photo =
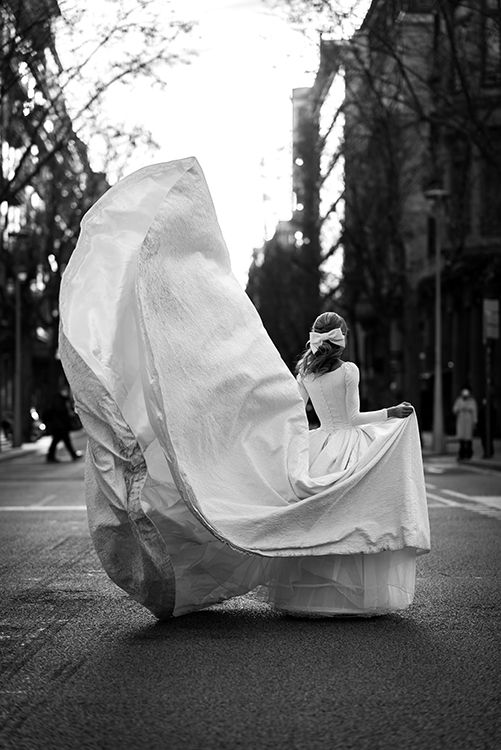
x=356 y=417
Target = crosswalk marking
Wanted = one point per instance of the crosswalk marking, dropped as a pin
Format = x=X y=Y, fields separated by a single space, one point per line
x=453 y=493
x=443 y=500
x=493 y=500
x=485 y=505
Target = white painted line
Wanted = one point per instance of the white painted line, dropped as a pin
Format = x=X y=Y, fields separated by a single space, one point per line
x=474 y=504
x=461 y=495
x=430 y=486
x=494 y=501
x=29 y=508
x=443 y=500
x=46 y=499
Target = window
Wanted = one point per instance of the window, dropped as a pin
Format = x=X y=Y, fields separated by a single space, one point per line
x=491 y=43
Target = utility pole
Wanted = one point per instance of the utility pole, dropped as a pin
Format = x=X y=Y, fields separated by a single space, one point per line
x=491 y=334
x=20 y=278
x=435 y=197
x=17 y=428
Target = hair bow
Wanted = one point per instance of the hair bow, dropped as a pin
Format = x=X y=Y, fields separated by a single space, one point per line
x=336 y=336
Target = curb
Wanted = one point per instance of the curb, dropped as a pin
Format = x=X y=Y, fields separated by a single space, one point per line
x=493 y=463
x=485 y=463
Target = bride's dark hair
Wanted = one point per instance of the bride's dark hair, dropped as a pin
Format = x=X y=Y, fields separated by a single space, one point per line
x=328 y=353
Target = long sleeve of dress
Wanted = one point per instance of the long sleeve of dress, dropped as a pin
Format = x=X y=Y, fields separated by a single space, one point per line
x=352 y=379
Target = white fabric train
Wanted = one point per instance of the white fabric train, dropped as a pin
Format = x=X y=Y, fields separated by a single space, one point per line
x=197 y=475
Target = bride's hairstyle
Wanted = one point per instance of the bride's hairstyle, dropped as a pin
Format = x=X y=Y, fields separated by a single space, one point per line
x=328 y=353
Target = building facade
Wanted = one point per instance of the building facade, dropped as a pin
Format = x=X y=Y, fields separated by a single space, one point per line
x=422 y=182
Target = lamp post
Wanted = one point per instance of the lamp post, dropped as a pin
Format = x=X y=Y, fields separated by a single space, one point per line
x=17 y=428
x=435 y=198
x=19 y=279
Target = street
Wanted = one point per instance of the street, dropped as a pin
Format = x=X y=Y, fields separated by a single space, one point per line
x=84 y=666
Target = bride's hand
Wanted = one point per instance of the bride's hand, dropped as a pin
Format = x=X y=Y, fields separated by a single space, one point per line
x=401 y=411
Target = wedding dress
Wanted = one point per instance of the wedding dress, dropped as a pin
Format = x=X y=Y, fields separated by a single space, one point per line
x=202 y=479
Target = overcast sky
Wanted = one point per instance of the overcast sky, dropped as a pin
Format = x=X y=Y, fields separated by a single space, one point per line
x=231 y=108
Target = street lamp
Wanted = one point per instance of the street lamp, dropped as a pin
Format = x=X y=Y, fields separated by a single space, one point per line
x=17 y=428
x=19 y=248
x=435 y=198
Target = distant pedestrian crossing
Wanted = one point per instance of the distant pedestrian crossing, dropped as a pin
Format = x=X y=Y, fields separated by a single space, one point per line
x=486 y=505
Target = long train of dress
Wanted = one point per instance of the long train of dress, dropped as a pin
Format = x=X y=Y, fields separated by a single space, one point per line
x=198 y=478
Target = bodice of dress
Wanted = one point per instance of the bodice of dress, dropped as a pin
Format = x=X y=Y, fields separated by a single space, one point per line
x=336 y=399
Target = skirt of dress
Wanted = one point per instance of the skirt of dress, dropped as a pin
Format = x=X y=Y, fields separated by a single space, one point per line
x=356 y=585
x=334 y=585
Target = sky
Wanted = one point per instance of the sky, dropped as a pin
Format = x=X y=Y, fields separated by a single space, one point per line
x=233 y=111
x=231 y=108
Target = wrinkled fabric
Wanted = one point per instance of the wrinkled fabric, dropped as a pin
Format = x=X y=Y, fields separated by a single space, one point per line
x=358 y=584
x=198 y=469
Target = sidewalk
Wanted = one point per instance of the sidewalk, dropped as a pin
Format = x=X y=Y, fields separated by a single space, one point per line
x=451 y=449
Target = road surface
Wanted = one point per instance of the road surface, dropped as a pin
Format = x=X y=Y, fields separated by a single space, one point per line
x=83 y=666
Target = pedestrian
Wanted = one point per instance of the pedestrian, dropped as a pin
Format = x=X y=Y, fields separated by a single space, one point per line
x=203 y=480
x=6 y=425
x=59 y=420
x=465 y=409
x=487 y=436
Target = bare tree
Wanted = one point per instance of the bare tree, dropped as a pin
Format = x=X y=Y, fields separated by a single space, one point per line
x=421 y=110
x=50 y=91
x=59 y=63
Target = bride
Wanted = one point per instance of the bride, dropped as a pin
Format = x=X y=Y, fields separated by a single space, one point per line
x=203 y=481
x=341 y=584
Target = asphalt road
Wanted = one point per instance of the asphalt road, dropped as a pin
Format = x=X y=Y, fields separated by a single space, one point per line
x=83 y=666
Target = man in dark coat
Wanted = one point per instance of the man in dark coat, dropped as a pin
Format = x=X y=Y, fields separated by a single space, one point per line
x=58 y=419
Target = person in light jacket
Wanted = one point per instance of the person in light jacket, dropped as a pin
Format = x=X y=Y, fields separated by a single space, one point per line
x=465 y=409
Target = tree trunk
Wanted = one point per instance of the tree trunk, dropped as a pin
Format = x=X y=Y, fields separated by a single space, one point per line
x=411 y=347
